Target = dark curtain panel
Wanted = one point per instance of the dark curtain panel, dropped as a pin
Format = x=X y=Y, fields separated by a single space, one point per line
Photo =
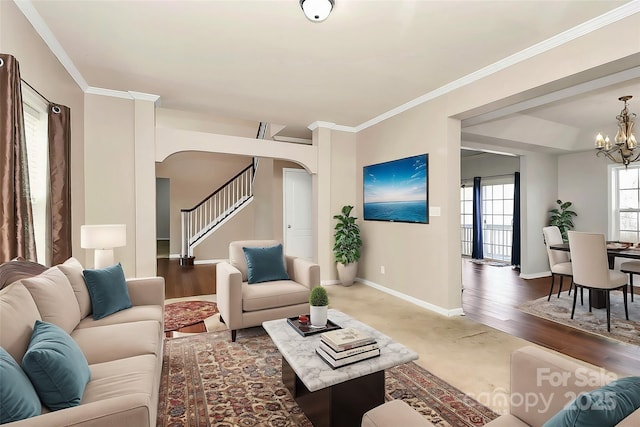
x=515 y=242
x=60 y=184
x=16 y=217
x=476 y=252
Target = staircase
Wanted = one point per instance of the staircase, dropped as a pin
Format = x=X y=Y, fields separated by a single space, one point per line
x=202 y=220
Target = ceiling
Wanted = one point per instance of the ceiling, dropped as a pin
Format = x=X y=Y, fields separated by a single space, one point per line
x=263 y=60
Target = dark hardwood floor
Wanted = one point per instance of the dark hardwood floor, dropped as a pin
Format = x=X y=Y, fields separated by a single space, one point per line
x=491 y=295
x=199 y=279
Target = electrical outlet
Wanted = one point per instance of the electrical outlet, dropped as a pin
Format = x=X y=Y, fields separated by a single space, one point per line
x=382 y=269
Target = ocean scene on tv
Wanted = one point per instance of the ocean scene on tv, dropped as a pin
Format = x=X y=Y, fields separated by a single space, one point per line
x=397 y=190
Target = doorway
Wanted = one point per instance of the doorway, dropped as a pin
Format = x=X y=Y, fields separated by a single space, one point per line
x=297 y=213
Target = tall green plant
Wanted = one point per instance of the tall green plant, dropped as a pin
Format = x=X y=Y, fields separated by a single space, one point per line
x=347 y=234
x=562 y=217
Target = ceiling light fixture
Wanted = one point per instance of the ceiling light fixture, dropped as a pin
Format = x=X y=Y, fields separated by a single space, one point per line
x=317 y=10
x=625 y=144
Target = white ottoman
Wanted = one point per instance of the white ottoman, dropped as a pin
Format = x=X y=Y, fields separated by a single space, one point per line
x=394 y=413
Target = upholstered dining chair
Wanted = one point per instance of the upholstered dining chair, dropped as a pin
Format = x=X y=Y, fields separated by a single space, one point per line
x=591 y=270
x=631 y=268
x=559 y=262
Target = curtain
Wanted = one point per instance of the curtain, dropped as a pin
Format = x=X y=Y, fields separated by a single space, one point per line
x=476 y=252
x=60 y=184
x=515 y=242
x=17 y=237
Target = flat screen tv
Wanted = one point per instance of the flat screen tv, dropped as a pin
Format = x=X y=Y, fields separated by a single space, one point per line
x=397 y=191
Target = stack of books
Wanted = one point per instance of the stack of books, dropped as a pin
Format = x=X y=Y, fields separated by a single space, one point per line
x=345 y=346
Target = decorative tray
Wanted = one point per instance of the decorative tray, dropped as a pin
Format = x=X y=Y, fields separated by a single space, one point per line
x=305 y=329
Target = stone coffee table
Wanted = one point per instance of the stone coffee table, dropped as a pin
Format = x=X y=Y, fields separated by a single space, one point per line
x=334 y=397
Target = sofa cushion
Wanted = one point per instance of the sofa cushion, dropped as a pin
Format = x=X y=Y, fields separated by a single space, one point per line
x=56 y=366
x=18 y=398
x=18 y=314
x=133 y=314
x=265 y=264
x=112 y=342
x=602 y=407
x=55 y=299
x=108 y=290
x=73 y=270
x=280 y=293
x=236 y=253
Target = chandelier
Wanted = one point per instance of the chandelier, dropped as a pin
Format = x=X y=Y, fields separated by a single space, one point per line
x=623 y=149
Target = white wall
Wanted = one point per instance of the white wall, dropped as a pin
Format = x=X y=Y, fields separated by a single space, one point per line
x=487 y=164
x=538 y=189
x=582 y=180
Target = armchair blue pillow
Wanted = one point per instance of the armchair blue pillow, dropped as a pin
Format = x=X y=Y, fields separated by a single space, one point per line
x=18 y=398
x=265 y=264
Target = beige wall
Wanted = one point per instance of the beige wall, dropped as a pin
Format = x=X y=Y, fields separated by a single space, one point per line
x=41 y=69
x=109 y=171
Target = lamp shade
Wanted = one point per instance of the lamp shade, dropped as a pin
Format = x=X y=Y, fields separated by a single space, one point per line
x=317 y=10
x=103 y=236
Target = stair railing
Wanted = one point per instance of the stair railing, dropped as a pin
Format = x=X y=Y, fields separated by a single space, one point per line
x=215 y=208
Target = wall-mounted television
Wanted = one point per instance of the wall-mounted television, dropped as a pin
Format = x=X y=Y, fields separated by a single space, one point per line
x=398 y=190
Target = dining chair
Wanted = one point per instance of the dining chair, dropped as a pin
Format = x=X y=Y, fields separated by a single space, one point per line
x=631 y=267
x=591 y=270
x=559 y=262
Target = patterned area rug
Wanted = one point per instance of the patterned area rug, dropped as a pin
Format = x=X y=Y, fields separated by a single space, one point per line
x=209 y=381
x=491 y=262
x=185 y=313
x=559 y=310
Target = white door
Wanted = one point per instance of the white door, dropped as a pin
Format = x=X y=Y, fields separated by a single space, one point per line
x=297 y=213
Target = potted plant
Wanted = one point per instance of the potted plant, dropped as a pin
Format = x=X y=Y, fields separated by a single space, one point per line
x=347 y=246
x=319 y=303
x=562 y=218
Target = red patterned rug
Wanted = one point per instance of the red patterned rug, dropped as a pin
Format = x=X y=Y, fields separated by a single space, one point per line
x=209 y=381
x=185 y=313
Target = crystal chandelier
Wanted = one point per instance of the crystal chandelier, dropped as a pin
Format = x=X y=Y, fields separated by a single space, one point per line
x=624 y=149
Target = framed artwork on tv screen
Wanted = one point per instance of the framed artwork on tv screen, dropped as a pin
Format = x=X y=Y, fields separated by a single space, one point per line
x=398 y=190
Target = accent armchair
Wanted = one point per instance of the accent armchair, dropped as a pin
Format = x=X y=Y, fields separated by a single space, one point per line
x=243 y=305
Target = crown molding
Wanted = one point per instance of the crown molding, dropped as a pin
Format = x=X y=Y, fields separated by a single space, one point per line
x=580 y=30
x=141 y=96
x=32 y=15
x=319 y=124
x=91 y=90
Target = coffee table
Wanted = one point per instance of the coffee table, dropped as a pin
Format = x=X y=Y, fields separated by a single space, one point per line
x=334 y=397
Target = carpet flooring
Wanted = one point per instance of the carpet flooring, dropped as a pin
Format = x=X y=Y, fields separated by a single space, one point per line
x=185 y=313
x=209 y=381
x=559 y=310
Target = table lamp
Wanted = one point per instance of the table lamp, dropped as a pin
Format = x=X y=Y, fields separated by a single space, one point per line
x=103 y=238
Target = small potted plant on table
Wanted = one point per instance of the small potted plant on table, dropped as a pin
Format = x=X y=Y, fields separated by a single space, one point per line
x=319 y=303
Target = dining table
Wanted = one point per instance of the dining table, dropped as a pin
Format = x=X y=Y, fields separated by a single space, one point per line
x=614 y=250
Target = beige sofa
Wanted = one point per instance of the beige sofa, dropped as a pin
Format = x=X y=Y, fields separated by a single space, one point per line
x=542 y=383
x=123 y=350
x=242 y=305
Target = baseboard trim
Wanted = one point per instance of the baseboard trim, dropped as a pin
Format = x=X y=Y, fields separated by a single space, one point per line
x=329 y=282
x=535 y=275
x=413 y=300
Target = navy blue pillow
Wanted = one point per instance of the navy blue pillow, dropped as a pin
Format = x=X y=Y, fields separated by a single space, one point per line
x=18 y=398
x=603 y=407
x=108 y=290
x=265 y=264
x=56 y=366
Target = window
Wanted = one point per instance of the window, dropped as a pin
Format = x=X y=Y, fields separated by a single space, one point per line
x=36 y=129
x=625 y=203
x=466 y=218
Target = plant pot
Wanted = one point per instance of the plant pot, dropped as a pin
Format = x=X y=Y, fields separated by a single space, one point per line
x=346 y=273
x=318 y=315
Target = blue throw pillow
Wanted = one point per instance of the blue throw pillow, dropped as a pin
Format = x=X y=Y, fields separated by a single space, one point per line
x=108 y=290
x=18 y=398
x=56 y=366
x=265 y=264
x=603 y=407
